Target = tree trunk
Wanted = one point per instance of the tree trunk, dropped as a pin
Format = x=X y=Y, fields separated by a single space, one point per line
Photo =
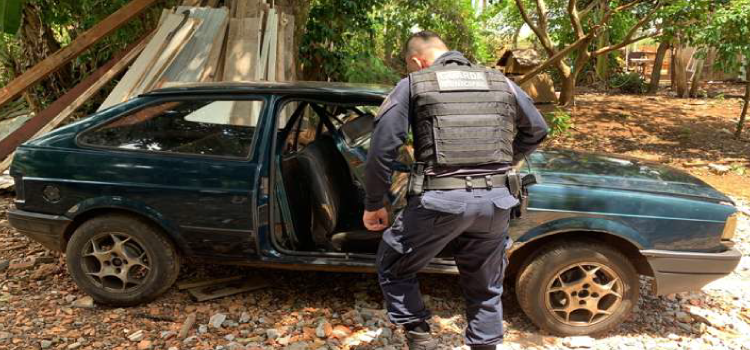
x=37 y=43
x=661 y=53
x=516 y=35
x=602 y=61
x=568 y=87
x=568 y=92
x=671 y=68
x=743 y=116
x=697 y=78
x=680 y=80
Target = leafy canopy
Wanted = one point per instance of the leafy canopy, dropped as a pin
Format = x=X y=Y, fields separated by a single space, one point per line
x=728 y=31
x=361 y=41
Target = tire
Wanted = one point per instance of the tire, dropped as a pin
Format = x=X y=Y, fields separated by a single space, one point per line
x=139 y=269
x=576 y=308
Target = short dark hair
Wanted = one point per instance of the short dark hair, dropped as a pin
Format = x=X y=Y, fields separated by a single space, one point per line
x=425 y=36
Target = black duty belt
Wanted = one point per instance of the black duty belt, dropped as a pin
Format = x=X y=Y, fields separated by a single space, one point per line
x=467 y=182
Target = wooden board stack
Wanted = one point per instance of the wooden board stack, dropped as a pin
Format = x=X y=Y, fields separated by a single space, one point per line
x=244 y=40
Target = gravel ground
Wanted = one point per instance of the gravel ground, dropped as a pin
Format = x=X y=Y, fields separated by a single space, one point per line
x=41 y=308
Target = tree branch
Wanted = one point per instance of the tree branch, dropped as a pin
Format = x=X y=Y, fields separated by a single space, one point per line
x=629 y=37
x=641 y=22
x=541 y=11
x=542 y=35
x=624 y=43
x=574 y=19
x=610 y=12
x=556 y=58
x=585 y=12
x=626 y=6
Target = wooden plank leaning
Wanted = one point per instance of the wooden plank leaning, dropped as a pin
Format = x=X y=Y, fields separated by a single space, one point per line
x=192 y=60
x=176 y=42
x=61 y=109
x=232 y=6
x=266 y=67
x=242 y=49
x=142 y=64
x=273 y=31
x=252 y=9
x=75 y=48
x=280 y=73
x=240 y=8
x=284 y=51
x=215 y=63
x=290 y=58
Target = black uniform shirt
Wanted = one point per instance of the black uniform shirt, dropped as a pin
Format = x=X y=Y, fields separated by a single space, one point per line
x=392 y=126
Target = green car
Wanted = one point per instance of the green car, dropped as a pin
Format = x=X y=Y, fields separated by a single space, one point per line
x=270 y=175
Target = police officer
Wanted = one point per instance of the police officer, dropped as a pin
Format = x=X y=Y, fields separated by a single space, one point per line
x=470 y=126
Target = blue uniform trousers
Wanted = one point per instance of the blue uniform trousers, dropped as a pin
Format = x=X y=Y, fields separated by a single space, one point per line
x=476 y=221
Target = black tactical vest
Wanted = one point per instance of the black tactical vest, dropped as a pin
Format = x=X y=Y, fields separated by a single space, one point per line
x=463 y=115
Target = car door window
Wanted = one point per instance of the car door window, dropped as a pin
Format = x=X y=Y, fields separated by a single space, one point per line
x=212 y=128
x=305 y=128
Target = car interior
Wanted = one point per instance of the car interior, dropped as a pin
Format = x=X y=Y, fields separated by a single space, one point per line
x=320 y=153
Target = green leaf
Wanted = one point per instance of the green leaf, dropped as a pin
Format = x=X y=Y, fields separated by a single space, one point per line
x=10 y=16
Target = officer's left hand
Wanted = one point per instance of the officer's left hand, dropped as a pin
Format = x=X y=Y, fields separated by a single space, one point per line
x=376 y=220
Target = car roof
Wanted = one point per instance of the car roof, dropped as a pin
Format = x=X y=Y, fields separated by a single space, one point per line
x=300 y=87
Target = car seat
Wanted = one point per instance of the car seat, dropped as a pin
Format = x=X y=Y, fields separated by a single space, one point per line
x=333 y=197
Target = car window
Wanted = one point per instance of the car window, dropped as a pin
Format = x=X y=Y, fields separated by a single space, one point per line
x=305 y=128
x=215 y=128
x=355 y=122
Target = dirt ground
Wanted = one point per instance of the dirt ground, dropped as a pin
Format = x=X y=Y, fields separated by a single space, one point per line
x=311 y=310
x=691 y=134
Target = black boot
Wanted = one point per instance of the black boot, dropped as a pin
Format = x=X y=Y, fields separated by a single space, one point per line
x=420 y=340
x=486 y=347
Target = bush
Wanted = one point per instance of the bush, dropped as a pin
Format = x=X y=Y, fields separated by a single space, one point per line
x=369 y=69
x=560 y=122
x=629 y=83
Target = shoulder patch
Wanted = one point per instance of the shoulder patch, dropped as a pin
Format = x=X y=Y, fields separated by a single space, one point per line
x=389 y=103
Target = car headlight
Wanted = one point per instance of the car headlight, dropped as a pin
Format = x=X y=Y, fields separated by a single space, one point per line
x=730 y=227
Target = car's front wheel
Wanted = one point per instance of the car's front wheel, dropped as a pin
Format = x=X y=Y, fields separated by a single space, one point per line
x=121 y=261
x=577 y=288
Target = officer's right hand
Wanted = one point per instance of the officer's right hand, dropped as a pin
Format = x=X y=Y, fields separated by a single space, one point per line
x=376 y=220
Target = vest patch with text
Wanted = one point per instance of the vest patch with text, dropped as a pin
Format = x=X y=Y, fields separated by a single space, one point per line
x=459 y=80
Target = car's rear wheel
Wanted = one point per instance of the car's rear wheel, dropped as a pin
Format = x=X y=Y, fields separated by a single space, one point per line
x=121 y=261
x=577 y=288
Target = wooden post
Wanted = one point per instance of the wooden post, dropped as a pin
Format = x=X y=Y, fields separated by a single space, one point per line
x=57 y=60
x=59 y=110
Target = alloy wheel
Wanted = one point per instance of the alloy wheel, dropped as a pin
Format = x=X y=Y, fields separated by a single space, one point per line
x=584 y=294
x=116 y=261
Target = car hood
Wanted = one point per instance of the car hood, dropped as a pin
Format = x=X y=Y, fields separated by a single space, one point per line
x=619 y=172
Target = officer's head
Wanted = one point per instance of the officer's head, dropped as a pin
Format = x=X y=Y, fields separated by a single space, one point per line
x=422 y=49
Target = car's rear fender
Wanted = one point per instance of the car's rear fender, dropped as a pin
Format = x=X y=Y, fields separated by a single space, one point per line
x=94 y=207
